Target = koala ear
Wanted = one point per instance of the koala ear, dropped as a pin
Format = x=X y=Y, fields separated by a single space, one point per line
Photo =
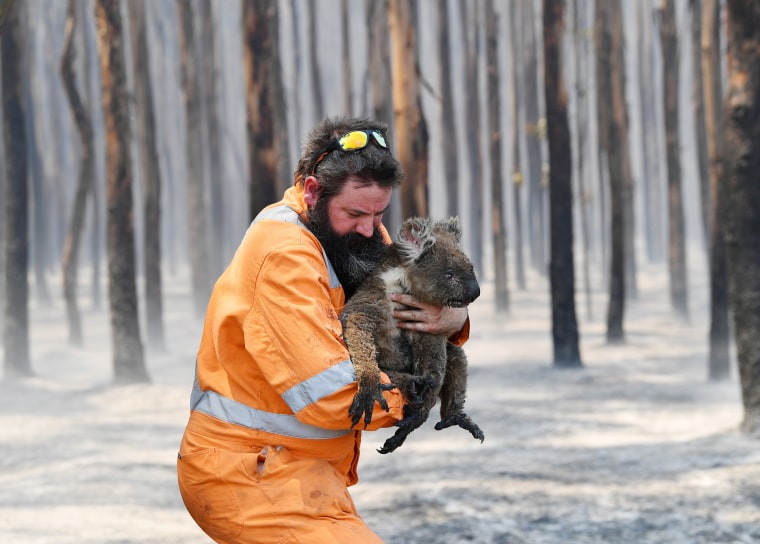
x=451 y=225
x=414 y=238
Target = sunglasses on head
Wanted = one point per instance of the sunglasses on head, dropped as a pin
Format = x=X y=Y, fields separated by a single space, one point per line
x=353 y=141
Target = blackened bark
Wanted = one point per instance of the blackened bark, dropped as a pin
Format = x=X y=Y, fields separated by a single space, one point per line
x=82 y=120
x=719 y=360
x=151 y=174
x=561 y=268
x=128 y=356
x=609 y=34
x=196 y=190
x=260 y=22
x=471 y=40
x=676 y=221
x=16 y=331
x=498 y=229
x=448 y=119
x=515 y=18
x=742 y=212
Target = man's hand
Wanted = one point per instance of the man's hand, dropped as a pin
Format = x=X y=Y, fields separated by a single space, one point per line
x=419 y=316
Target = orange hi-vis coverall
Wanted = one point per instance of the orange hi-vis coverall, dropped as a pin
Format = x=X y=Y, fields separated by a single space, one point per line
x=268 y=451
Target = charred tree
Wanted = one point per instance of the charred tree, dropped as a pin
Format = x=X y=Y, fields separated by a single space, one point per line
x=345 y=28
x=698 y=107
x=128 y=357
x=151 y=173
x=611 y=108
x=742 y=212
x=498 y=230
x=70 y=260
x=719 y=360
x=676 y=222
x=469 y=15
x=412 y=139
x=16 y=330
x=314 y=59
x=535 y=128
x=561 y=267
x=261 y=68
x=448 y=118
x=196 y=190
x=515 y=19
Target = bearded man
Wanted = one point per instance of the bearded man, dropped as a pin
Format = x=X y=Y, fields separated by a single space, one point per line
x=269 y=450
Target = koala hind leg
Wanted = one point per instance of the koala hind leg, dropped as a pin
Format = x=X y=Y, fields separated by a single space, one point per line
x=453 y=394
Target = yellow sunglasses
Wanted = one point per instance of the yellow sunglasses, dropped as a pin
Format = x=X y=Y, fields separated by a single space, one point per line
x=353 y=141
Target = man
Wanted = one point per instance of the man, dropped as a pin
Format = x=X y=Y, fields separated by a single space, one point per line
x=269 y=451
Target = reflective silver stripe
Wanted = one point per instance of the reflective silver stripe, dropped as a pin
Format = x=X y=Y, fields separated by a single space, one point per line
x=231 y=411
x=288 y=215
x=323 y=384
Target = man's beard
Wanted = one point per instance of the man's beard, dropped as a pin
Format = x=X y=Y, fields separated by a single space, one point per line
x=352 y=256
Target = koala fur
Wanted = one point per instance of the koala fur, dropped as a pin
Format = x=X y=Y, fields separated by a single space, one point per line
x=426 y=261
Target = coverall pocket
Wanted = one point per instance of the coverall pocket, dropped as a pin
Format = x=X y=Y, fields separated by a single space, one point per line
x=204 y=483
x=312 y=487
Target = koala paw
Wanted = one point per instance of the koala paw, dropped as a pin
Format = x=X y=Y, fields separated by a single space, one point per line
x=462 y=420
x=418 y=388
x=364 y=403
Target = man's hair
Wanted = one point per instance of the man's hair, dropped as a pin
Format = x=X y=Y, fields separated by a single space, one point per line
x=370 y=163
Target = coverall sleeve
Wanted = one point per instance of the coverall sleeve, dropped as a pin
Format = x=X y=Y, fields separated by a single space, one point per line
x=306 y=361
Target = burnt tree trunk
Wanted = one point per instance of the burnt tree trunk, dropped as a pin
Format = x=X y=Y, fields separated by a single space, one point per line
x=517 y=141
x=698 y=107
x=151 y=174
x=16 y=330
x=609 y=35
x=719 y=359
x=742 y=217
x=260 y=22
x=536 y=131
x=411 y=128
x=448 y=118
x=314 y=59
x=469 y=16
x=128 y=358
x=196 y=190
x=498 y=230
x=676 y=226
x=82 y=120
x=561 y=267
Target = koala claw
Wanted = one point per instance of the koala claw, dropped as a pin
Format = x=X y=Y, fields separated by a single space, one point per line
x=364 y=403
x=462 y=420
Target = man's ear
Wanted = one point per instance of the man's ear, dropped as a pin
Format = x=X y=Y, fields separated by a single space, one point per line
x=311 y=190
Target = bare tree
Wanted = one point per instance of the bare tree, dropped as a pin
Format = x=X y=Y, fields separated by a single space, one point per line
x=612 y=128
x=196 y=189
x=742 y=217
x=263 y=83
x=314 y=62
x=698 y=107
x=348 y=95
x=676 y=221
x=84 y=185
x=448 y=119
x=411 y=128
x=719 y=361
x=561 y=267
x=469 y=15
x=16 y=331
x=515 y=19
x=151 y=173
x=128 y=357
x=498 y=228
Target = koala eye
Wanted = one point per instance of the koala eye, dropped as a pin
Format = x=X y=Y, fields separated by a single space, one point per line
x=449 y=275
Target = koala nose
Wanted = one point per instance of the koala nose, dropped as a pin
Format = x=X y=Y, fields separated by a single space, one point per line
x=473 y=290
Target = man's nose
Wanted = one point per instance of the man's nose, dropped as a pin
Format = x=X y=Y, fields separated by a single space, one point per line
x=365 y=226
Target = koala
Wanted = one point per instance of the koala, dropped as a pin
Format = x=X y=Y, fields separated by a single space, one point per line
x=426 y=261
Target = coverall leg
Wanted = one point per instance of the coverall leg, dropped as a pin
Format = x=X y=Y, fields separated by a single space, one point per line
x=242 y=494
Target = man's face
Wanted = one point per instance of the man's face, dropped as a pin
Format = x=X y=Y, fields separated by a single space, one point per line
x=346 y=225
